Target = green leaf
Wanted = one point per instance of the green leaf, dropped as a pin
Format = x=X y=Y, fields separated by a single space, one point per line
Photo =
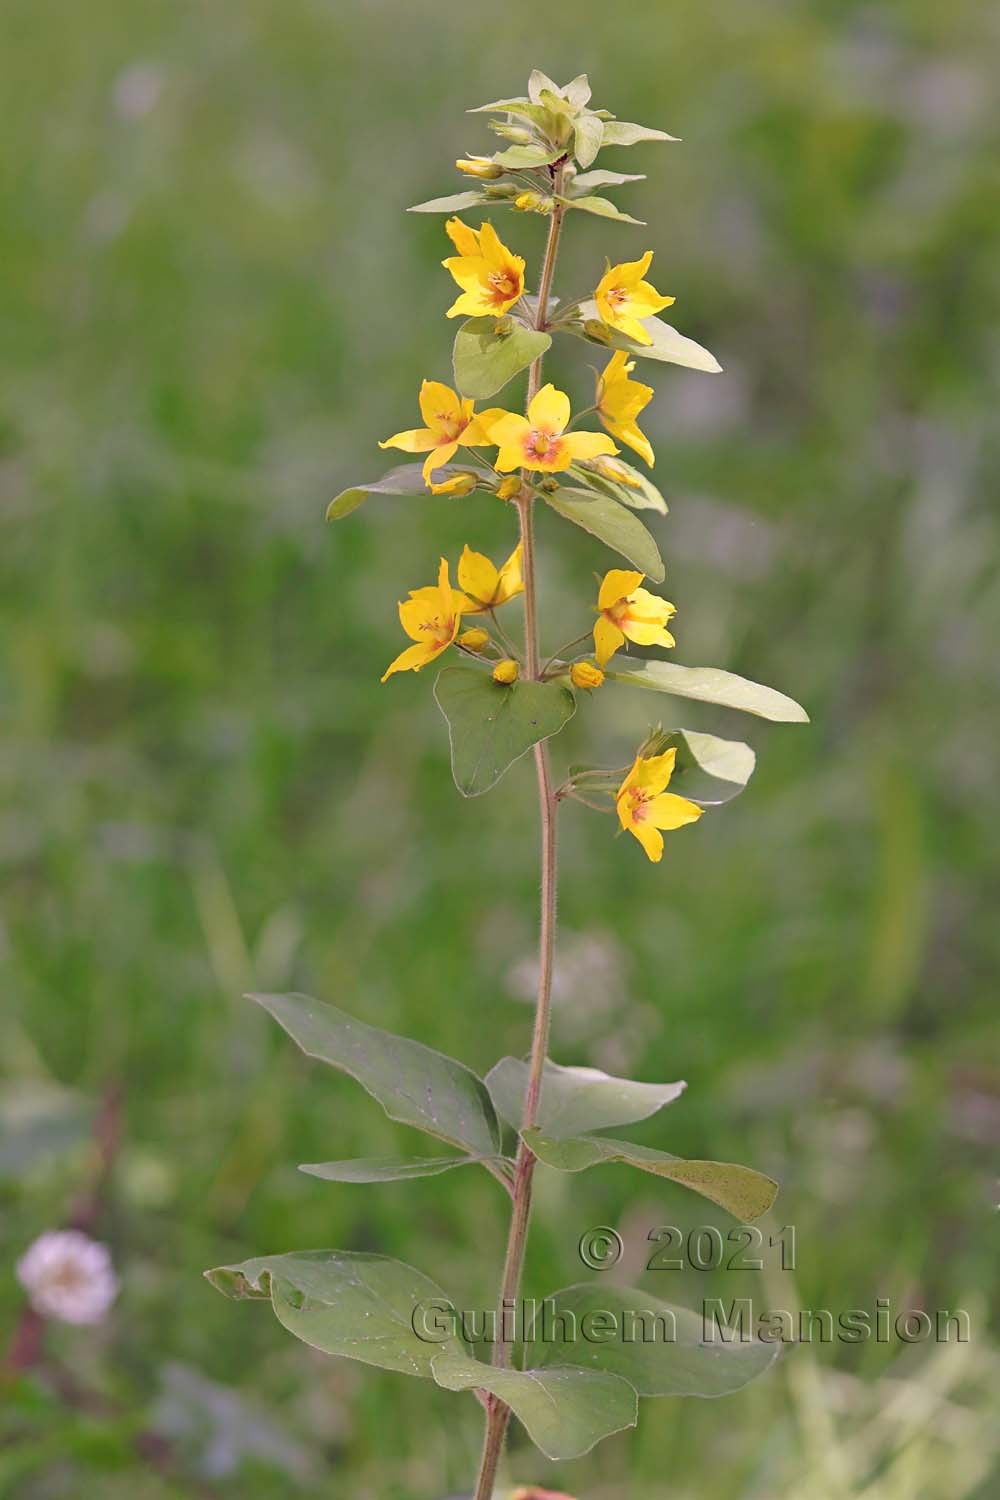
x=659 y=1358
x=574 y=1101
x=492 y=725
x=744 y=1193
x=642 y=494
x=491 y=351
x=588 y=133
x=564 y=1411
x=709 y=770
x=602 y=207
x=414 y=1084
x=623 y=133
x=356 y=1305
x=519 y=157
x=668 y=345
x=406 y=479
x=708 y=685
x=452 y=204
x=389 y=1168
x=612 y=524
x=524 y=108
x=585 y=181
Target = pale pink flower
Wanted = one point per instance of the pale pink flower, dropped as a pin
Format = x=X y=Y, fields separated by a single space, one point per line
x=68 y=1276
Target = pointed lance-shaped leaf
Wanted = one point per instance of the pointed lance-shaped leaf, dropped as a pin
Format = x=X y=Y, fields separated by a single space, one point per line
x=452 y=204
x=391 y=1168
x=709 y=770
x=639 y=494
x=405 y=479
x=708 y=685
x=359 y=1306
x=574 y=1101
x=491 y=725
x=744 y=1193
x=414 y=1084
x=585 y=182
x=660 y=1349
x=564 y=1411
x=667 y=345
x=588 y=133
x=611 y=523
x=624 y=133
x=602 y=207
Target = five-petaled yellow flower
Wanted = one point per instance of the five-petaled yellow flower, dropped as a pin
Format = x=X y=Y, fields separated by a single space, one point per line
x=645 y=806
x=540 y=440
x=490 y=275
x=619 y=402
x=485 y=586
x=451 y=421
x=626 y=610
x=623 y=298
x=431 y=618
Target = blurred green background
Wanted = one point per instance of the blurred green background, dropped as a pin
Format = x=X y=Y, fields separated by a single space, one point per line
x=212 y=307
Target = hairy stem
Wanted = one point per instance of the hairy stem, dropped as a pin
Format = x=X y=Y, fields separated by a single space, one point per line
x=498 y=1414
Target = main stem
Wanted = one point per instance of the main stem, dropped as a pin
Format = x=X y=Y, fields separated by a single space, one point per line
x=497 y=1413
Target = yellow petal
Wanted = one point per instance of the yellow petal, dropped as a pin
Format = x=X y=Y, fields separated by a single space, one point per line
x=439 y=405
x=410 y=660
x=587 y=444
x=480 y=427
x=416 y=440
x=670 y=811
x=437 y=459
x=645 y=301
x=511 y=579
x=465 y=240
x=650 y=838
x=617 y=584
x=628 y=272
x=607 y=639
x=549 y=410
x=653 y=772
x=477 y=577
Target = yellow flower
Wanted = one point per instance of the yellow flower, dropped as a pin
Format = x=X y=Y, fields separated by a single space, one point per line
x=485 y=586
x=623 y=298
x=645 y=806
x=619 y=402
x=505 y=672
x=540 y=440
x=457 y=484
x=584 y=674
x=474 y=639
x=431 y=618
x=626 y=610
x=490 y=275
x=450 y=421
x=479 y=166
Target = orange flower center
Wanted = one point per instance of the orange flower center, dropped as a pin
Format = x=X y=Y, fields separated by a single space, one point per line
x=441 y=628
x=447 y=427
x=504 y=285
x=638 y=804
x=541 y=446
x=617 y=295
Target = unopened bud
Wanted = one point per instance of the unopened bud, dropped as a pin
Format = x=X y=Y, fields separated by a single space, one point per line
x=474 y=639
x=509 y=488
x=596 y=330
x=532 y=203
x=549 y=485
x=500 y=190
x=479 y=166
x=457 y=484
x=515 y=133
x=505 y=672
x=586 y=674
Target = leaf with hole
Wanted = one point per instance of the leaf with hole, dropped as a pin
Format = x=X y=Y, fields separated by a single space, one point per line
x=660 y=1349
x=565 y=1411
x=349 y=1303
x=491 y=725
x=574 y=1101
x=414 y=1084
x=611 y=523
x=489 y=352
x=744 y=1193
x=708 y=685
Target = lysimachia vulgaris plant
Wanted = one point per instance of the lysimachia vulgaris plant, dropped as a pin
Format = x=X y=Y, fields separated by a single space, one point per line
x=503 y=696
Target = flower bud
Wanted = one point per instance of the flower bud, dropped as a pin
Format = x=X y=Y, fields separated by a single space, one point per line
x=457 y=484
x=500 y=190
x=549 y=485
x=532 y=203
x=595 y=329
x=586 y=674
x=509 y=488
x=505 y=672
x=515 y=133
x=474 y=639
x=479 y=166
